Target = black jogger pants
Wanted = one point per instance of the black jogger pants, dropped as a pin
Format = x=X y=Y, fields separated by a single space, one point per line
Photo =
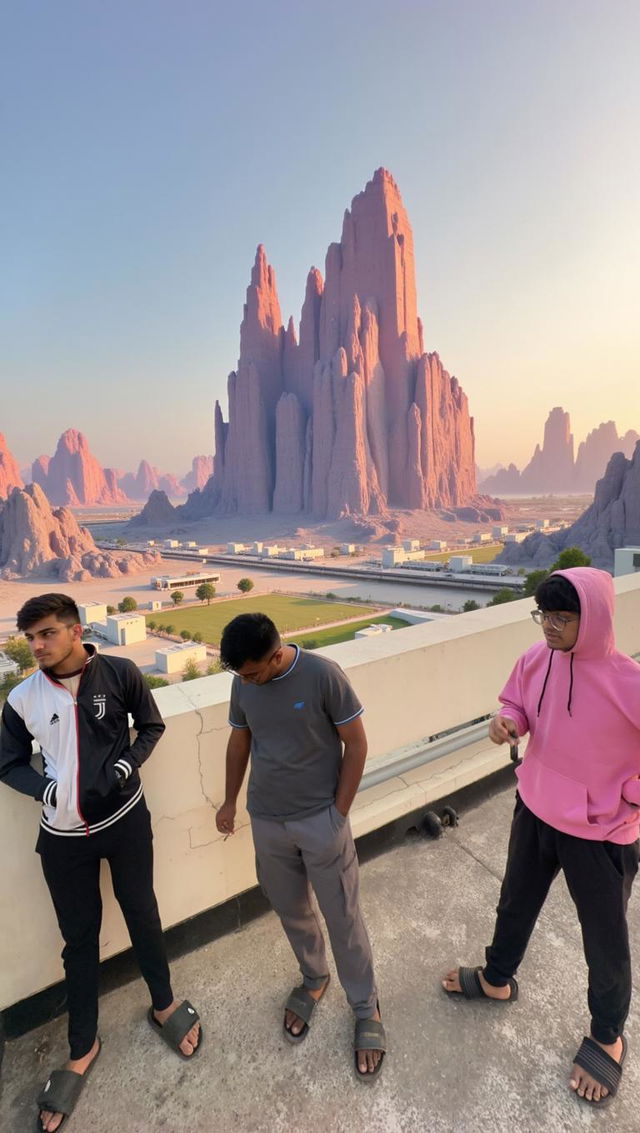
x=599 y=877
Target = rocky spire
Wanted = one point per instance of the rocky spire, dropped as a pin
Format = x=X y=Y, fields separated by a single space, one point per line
x=10 y=477
x=375 y=422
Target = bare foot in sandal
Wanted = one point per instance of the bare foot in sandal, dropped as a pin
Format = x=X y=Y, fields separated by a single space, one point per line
x=293 y=1022
x=189 y=1044
x=451 y=983
x=51 y=1120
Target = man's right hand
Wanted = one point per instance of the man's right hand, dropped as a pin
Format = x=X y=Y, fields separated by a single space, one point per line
x=502 y=730
x=225 y=818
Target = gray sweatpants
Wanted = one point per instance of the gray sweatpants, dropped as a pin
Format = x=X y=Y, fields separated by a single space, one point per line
x=318 y=851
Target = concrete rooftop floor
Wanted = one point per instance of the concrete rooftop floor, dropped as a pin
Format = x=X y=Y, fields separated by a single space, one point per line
x=452 y=1066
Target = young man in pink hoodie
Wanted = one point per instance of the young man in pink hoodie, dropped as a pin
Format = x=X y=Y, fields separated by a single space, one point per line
x=577 y=810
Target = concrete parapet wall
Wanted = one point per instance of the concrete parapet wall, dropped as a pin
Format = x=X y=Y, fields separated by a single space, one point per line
x=414 y=683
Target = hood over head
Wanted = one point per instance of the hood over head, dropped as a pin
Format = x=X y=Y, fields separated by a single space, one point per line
x=595 y=591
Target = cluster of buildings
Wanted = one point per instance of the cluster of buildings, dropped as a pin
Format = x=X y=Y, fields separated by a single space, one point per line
x=304 y=554
x=131 y=628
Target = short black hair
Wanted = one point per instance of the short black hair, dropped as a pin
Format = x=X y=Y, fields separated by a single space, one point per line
x=249 y=637
x=555 y=592
x=61 y=605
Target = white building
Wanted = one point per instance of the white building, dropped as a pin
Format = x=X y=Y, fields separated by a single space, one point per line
x=460 y=562
x=8 y=668
x=482 y=537
x=235 y=548
x=347 y=548
x=411 y=544
x=170 y=544
x=154 y=604
x=91 y=612
x=541 y=524
x=626 y=560
x=256 y=548
x=125 y=629
x=271 y=552
x=203 y=550
x=499 y=532
x=516 y=537
x=189 y=545
x=173 y=658
x=178 y=581
x=393 y=556
x=437 y=545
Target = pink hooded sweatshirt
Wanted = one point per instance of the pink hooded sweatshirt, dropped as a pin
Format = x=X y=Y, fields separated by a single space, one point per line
x=582 y=711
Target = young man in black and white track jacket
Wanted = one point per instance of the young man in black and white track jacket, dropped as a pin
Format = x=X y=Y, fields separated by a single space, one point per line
x=76 y=706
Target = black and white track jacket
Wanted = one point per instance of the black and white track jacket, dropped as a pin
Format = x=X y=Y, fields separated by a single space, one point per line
x=90 y=767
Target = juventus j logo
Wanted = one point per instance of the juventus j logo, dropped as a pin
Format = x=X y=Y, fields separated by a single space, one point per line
x=99 y=701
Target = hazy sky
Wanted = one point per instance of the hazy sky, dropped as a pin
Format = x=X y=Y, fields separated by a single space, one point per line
x=149 y=145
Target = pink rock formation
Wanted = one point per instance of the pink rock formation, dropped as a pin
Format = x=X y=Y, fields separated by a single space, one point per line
x=201 y=470
x=140 y=485
x=170 y=484
x=39 y=470
x=612 y=520
x=552 y=468
x=290 y=440
x=10 y=477
x=74 y=477
x=374 y=421
x=36 y=540
x=552 y=464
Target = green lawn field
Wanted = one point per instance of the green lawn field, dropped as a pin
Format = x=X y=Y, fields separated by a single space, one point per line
x=481 y=554
x=344 y=633
x=287 y=611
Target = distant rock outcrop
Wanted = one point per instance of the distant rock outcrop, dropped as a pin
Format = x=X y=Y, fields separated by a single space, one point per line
x=10 y=477
x=140 y=485
x=38 y=541
x=201 y=470
x=73 y=476
x=552 y=467
x=612 y=520
x=354 y=417
x=157 y=512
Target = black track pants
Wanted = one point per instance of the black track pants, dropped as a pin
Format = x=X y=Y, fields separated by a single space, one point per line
x=71 y=866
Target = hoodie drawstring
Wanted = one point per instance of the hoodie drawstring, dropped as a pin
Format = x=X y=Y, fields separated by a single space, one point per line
x=544 y=687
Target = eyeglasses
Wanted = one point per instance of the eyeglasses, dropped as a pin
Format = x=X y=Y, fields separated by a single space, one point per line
x=255 y=674
x=556 y=621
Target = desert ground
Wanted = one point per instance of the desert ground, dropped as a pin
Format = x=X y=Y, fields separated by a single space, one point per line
x=372 y=531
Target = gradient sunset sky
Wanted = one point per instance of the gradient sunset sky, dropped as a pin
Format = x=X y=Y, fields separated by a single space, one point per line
x=150 y=145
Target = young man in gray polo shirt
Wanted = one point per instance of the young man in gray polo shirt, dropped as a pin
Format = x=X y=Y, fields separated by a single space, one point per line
x=297 y=716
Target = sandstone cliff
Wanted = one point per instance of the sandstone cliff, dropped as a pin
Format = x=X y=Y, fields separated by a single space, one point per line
x=38 y=541
x=354 y=417
x=10 y=477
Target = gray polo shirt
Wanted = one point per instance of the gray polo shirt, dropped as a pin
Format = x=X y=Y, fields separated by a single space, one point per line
x=296 y=752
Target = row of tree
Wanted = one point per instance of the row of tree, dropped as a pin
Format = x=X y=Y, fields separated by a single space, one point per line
x=571 y=557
